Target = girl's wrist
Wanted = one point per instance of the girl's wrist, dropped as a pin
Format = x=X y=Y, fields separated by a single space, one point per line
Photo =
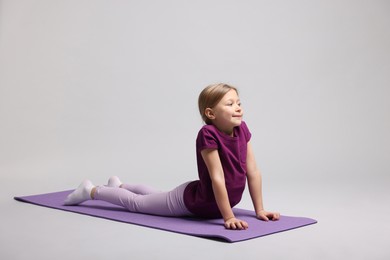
x=258 y=211
x=228 y=218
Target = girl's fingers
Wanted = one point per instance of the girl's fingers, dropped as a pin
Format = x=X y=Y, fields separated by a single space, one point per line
x=233 y=226
x=264 y=217
x=230 y=225
x=238 y=224
x=275 y=216
x=245 y=225
x=242 y=225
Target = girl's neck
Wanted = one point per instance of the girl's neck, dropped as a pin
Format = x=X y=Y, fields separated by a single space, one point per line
x=229 y=132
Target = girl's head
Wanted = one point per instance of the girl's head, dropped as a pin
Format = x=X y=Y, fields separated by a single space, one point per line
x=211 y=96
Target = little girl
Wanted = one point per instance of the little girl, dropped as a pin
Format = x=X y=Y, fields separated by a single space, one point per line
x=225 y=162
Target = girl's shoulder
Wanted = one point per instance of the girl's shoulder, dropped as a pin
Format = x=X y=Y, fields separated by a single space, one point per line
x=245 y=131
x=207 y=130
x=211 y=130
x=207 y=138
x=243 y=125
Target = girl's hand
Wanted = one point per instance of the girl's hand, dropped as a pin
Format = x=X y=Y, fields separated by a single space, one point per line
x=265 y=215
x=234 y=223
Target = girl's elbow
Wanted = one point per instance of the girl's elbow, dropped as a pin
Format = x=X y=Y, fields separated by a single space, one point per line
x=253 y=174
x=218 y=181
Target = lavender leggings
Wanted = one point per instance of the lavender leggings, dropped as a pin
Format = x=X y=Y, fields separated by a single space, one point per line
x=144 y=199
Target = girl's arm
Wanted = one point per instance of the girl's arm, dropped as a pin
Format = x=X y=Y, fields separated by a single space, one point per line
x=255 y=187
x=214 y=166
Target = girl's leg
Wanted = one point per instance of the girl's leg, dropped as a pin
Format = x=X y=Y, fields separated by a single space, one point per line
x=86 y=190
x=162 y=203
x=139 y=189
x=114 y=181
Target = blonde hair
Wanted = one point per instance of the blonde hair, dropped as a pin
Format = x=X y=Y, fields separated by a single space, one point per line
x=210 y=96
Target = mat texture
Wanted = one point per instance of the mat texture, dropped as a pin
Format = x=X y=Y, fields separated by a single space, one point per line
x=207 y=228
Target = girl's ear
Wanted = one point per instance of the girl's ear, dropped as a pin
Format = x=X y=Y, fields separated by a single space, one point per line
x=209 y=113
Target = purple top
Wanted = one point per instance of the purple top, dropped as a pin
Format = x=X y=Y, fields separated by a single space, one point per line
x=198 y=195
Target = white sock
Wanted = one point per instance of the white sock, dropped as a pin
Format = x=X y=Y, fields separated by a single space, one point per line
x=114 y=181
x=81 y=194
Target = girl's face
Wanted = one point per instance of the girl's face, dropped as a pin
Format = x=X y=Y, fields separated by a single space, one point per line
x=228 y=113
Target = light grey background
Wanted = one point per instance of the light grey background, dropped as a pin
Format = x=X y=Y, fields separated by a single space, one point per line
x=90 y=89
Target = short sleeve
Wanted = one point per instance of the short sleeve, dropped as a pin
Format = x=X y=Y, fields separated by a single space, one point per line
x=246 y=132
x=206 y=139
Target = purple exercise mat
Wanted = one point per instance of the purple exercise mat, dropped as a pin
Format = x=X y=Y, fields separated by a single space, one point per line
x=207 y=228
